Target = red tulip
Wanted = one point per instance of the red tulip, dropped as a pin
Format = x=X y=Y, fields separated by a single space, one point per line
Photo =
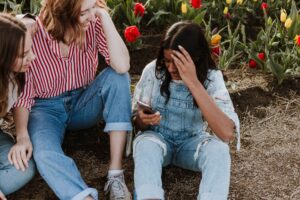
x=196 y=3
x=252 y=64
x=131 y=33
x=264 y=5
x=139 y=9
x=216 y=50
x=297 y=40
x=228 y=16
x=261 y=56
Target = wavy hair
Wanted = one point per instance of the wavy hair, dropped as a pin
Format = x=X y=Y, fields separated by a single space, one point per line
x=60 y=16
x=12 y=40
x=190 y=36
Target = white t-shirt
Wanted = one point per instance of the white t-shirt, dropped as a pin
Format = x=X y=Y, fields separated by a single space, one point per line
x=12 y=97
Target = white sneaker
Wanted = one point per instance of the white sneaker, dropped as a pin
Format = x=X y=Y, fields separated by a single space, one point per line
x=116 y=189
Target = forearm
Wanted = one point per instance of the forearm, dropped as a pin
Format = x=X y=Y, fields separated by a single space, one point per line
x=217 y=120
x=21 y=116
x=118 y=52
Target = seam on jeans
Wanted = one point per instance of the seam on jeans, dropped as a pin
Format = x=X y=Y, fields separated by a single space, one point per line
x=150 y=138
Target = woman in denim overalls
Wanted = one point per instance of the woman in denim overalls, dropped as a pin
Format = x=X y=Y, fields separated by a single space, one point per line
x=186 y=92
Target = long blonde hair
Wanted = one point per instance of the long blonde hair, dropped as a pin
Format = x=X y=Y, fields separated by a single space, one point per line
x=12 y=39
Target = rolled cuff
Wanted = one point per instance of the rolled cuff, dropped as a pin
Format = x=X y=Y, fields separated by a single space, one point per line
x=118 y=126
x=209 y=196
x=24 y=103
x=88 y=191
x=149 y=192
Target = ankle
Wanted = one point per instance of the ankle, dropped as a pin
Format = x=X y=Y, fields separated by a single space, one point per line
x=115 y=172
x=88 y=198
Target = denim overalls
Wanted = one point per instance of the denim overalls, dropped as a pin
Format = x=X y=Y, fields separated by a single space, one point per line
x=179 y=140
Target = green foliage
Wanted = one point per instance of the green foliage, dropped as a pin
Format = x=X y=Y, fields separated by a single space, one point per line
x=19 y=6
x=277 y=43
x=246 y=28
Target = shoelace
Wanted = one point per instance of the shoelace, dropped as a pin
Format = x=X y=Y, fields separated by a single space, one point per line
x=116 y=185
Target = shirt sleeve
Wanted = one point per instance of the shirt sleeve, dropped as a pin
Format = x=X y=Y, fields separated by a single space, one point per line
x=144 y=87
x=217 y=90
x=26 y=99
x=101 y=41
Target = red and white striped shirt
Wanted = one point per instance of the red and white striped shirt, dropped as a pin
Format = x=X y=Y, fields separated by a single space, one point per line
x=51 y=74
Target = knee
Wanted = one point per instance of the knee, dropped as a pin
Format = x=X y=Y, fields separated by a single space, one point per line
x=150 y=149
x=119 y=80
x=44 y=158
x=217 y=152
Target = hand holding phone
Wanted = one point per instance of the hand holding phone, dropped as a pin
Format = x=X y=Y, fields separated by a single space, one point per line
x=145 y=107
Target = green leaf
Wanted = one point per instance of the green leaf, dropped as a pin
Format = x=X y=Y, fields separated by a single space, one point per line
x=293 y=30
x=275 y=68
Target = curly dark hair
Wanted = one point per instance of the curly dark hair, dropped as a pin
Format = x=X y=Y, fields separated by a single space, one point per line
x=190 y=36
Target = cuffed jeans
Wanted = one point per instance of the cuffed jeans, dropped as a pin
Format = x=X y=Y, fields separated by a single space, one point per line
x=107 y=97
x=12 y=179
x=201 y=153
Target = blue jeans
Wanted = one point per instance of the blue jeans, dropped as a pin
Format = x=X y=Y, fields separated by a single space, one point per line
x=200 y=153
x=12 y=179
x=107 y=97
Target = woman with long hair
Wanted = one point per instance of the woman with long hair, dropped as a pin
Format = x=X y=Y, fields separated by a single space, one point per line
x=16 y=165
x=62 y=92
x=185 y=92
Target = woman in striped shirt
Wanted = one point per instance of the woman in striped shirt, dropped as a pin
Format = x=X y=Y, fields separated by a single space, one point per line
x=62 y=92
x=16 y=165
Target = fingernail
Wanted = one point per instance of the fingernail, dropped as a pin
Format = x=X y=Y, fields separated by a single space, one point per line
x=180 y=47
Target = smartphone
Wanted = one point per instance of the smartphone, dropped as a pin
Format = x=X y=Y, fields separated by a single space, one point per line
x=146 y=108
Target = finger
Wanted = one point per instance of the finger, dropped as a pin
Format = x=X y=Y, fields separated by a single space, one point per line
x=147 y=116
x=157 y=121
x=178 y=64
x=24 y=157
x=29 y=153
x=9 y=156
x=2 y=197
x=19 y=160
x=179 y=56
x=14 y=159
x=185 y=53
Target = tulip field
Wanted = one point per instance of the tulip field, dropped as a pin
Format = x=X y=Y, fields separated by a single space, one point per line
x=256 y=44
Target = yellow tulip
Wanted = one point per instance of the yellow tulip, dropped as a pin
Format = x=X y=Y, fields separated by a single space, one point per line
x=225 y=11
x=254 y=0
x=239 y=2
x=288 y=23
x=215 y=39
x=283 y=15
x=183 y=7
x=228 y=1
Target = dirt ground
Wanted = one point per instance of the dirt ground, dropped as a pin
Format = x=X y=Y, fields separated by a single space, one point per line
x=266 y=167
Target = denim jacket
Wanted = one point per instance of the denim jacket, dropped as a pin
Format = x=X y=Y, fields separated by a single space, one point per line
x=148 y=91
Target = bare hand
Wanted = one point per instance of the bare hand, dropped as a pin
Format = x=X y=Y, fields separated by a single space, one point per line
x=185 y=66
x=20 y=153
x=148 y=119
x=2 y=197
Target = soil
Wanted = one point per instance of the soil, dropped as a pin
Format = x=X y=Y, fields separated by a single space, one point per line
x=266 y=167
